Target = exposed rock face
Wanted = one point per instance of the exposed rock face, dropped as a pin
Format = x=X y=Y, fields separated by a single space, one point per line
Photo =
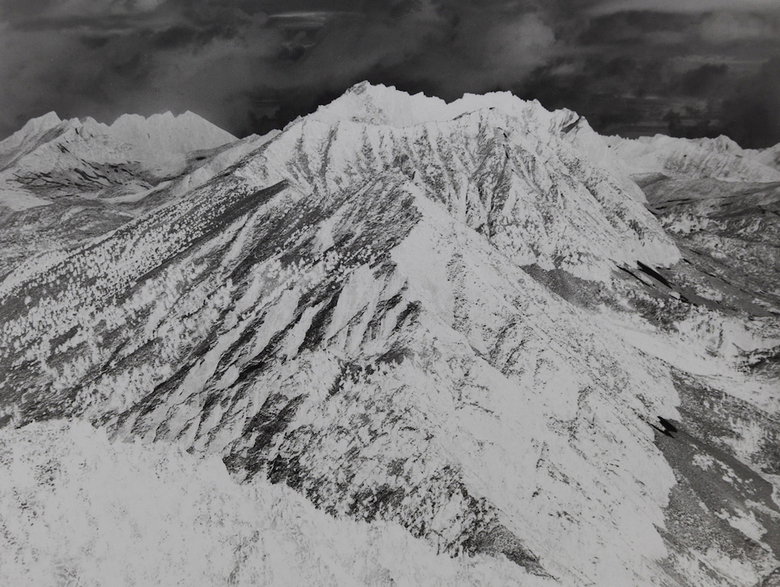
x=462 y=319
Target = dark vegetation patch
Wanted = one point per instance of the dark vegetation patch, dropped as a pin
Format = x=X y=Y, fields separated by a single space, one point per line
x=266 y=356
x=382 y=308
x=152 y=400
x=288 y=471
x=395 y=355
x=350 y=372
x=497 y=539
x=376 y=502
x=211 y=400
x=410 y=313
x=272 y=419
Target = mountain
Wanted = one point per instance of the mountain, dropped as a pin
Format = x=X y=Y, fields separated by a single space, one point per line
x=50 y=158
x=166 y=133
x=429 y=343
x=769 y=157
x=721 y=159
x=63 y=182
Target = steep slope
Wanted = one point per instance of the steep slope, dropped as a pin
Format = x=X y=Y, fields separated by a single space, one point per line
x=26 y=139
x=101 y=513
x=449 y=318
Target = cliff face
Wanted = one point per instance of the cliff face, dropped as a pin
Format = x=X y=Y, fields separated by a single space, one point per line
x=459 y=319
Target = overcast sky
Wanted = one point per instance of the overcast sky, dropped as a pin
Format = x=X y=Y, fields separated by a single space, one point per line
x=633 y=66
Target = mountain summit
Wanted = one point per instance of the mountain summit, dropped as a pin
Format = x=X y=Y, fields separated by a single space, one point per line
x=460 y=337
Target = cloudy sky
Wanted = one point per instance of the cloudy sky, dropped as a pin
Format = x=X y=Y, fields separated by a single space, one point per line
x=688 y=67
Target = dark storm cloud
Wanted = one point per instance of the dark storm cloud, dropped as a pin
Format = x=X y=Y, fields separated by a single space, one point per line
x=704 y=80
x=639 y=28
x=251 y=65
x=752 y=111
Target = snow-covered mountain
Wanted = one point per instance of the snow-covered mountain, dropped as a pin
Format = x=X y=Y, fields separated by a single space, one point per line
x=63 y=182
x=719 y=158
x=50 y=158
x=465 y=340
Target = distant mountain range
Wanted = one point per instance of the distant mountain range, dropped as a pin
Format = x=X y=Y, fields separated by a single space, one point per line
x=400 y=342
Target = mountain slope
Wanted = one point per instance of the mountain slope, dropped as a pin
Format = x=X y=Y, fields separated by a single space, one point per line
x=451 y=318
x=87 y=503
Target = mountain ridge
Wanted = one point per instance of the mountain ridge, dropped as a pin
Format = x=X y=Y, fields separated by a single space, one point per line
x=720 y=158
x=466 y=326
x=33 y=160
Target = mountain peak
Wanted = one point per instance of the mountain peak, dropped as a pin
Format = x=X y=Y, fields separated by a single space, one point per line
x=386 y=105
x=41 y=123
x=179 y=134
x=49 y=157
x=26 y=137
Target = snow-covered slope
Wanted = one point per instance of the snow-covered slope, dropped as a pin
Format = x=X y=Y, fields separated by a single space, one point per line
x=78 y=510
x=63 y=182
x=769 y=157
x=720 y=159
x=447 y=318
x=26 y=139
x=510 y=169
x=384 y=106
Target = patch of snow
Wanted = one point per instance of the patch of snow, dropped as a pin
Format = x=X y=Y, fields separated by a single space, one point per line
x=18 y=199
x=745 y=522
x=703 y=461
